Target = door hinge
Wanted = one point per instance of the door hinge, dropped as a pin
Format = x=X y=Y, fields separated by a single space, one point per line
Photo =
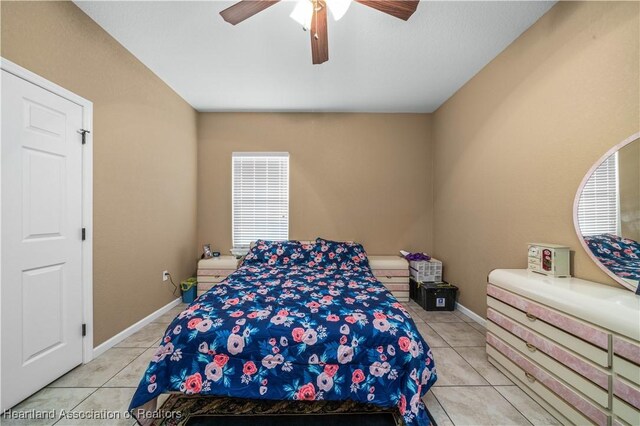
x=84 y=234
x=84 y=330
x=84 y=132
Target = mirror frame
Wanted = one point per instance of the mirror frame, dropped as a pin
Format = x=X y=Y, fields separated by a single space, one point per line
x=576 y=201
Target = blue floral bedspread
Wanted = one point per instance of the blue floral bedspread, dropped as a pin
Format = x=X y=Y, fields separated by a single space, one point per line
x=296 y=322
x=620 y=255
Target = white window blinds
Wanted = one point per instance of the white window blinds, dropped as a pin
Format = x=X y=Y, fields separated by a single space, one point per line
x=260 y=187
x=599 y=207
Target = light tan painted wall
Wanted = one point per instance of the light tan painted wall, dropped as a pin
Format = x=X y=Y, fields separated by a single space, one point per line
x=629 y=164
x=513 y=144
x=144 y=157
x=365 y=177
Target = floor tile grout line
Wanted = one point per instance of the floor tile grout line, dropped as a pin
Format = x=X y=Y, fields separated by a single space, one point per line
x=438 y=334
x=118 y=372
x=470 y=365
x=484 y=386
x=516 y=408
x=75 y=406
x=434 y=330
x=443 y=409
x=533 y=400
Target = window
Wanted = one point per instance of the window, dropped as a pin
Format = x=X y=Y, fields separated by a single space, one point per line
x=599 y=206
x=260 y=197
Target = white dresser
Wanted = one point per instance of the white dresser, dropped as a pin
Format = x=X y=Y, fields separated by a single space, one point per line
x=393 y=272
x=571 y=344
x=213 y=271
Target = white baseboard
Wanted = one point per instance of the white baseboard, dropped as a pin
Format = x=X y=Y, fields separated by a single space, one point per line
x=468 y=312
x=103 y=347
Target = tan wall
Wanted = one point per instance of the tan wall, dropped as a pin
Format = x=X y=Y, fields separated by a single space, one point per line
x=513 y=145
x=629 y=164
x=144 y=157
x=366 y=177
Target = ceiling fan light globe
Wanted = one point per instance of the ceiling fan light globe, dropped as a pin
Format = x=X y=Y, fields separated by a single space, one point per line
x=302 y=13
x=338 y=8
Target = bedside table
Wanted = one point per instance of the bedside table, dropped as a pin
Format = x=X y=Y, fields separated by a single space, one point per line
x=393 y=272
x=214 y=270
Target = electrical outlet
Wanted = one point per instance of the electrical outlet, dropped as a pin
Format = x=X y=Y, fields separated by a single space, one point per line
x=165 y=275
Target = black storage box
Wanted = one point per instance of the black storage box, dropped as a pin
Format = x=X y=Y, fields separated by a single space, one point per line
x=414 y=293
x=434 y=296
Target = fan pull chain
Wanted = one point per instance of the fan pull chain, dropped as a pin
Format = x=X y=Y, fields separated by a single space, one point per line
x=315 y=15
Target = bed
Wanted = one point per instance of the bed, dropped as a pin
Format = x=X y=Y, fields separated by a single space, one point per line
x=296 y=321
x=620 y=255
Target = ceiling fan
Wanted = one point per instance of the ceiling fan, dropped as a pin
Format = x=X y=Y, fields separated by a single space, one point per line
x=312 y=15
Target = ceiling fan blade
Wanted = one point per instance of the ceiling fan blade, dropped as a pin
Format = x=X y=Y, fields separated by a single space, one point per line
x=319 y=35
x=402 y=9
x=245 y=9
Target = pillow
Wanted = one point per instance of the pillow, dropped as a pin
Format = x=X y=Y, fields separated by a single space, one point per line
x=327 y=252
x=278 y=253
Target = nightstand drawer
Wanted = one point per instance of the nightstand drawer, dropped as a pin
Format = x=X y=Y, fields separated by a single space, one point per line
x=388 y=273
x=392 y=280
x=402 y=296
x=215 y=272
x=205 y=286
x=213 y=279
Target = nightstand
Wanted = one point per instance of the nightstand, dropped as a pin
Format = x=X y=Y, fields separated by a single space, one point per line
x=393 y=272
x=213 y=271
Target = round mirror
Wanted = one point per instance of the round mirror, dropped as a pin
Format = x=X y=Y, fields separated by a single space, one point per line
x=607 y=213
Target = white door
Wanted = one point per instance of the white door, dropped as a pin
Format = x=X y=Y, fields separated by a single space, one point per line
x=41 y=238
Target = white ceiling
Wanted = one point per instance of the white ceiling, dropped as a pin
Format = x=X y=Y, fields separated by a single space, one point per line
x=377 y=63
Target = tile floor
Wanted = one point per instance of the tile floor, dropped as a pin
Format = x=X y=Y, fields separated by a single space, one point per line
x=469 y=390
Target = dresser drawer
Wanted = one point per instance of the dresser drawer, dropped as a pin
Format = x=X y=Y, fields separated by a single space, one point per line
x=534 y=373
x=619 y=422
x=536 y=353
x=587 y=350
x=627 y=392
x=535 y=311
x=627 y=349
x=626 y=359
x=626 y=412
x=626 y=369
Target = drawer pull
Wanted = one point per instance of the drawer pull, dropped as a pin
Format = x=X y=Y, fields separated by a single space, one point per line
x=531 y=317
x=530 y=377
x=389 y=276
x=531 y=347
